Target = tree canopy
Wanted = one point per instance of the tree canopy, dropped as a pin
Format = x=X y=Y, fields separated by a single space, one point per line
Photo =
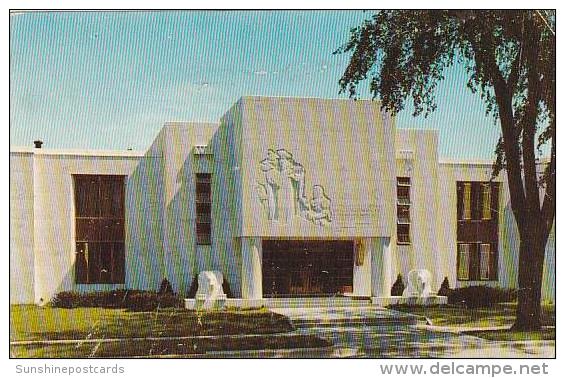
x=509 y=55
x=510 y=59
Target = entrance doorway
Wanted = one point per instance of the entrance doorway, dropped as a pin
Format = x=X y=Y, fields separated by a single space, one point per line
x=294 y=268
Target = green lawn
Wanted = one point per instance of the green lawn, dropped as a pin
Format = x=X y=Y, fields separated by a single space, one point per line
x=33 y=323
x=509 y=335
x=36 y=323
x=499 y=315
x=502 y=314
x=179 y=347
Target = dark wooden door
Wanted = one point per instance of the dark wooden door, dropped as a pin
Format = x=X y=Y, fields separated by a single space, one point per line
x=307 y=268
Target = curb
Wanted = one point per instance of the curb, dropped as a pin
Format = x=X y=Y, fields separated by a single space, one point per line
x=167 y=338
x=324 y=352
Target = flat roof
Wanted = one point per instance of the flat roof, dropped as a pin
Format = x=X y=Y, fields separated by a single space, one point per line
x=76 y=152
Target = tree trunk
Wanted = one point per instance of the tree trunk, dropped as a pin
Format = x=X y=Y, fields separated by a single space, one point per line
x=530 y=274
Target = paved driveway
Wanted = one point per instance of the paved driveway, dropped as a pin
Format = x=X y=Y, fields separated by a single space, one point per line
x=380 y=333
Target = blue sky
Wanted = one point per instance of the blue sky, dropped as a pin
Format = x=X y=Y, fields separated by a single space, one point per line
x=110 y=80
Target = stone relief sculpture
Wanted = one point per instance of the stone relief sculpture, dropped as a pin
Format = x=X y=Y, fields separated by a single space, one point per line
x=320 y=211
x=283 y=191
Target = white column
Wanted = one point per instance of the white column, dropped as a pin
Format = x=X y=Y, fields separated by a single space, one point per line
x=381 y=267
x=362 y=269
x=251 y=261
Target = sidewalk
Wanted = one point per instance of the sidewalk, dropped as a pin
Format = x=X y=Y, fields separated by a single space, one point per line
x=382 y=333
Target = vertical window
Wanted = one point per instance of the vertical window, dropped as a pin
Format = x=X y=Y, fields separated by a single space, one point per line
x=463 y=261
x=484 y=258
x=486 y=201
x=203 y=208
x=477 y=227
x=403 y=210
x=99 y=225
x=467 y=200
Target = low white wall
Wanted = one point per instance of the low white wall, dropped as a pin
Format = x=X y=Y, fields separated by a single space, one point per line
x=22 y=264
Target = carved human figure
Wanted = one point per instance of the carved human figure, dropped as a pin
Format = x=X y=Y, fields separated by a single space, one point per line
x=270 y=168
x=283 y=193
x=264 y=198
x=302 y=206
x=287 y=197
x=320 y=207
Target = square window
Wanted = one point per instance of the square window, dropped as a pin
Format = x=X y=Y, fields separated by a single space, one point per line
x=403 y=194
x=403 y=213
x=403 y=233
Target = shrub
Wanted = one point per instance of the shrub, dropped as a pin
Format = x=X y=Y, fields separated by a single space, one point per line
x=107 y=299
x=136 y=300
x=480 y=296
x=166 y=287
x=193 y=288
x=149 y=301
x=66 y=299
x=398 y=287
x=226 y=288
x=444 y=289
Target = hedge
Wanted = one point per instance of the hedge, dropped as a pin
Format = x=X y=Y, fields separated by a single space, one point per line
x=135 y=300
x=479 y=296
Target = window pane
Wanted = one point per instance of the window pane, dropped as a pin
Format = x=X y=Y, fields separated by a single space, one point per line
x=403 y=193
x=81 y=265
x=463 y=265
x=467 y=200
x=203 y=239
x=203 y=178
x=203 y=217
x=203 y=232
x=111 y=197
x=403 y=233
x=403 y=180
x=94 y=263
x=105 y=262
x=403 y=213
x=486 y=202
x=119 y=263
x=203 y=187
x=202 y=208
x=485 y=261
x=86 y=196
x=494 y=187
x=87 y=229
x=112 y=229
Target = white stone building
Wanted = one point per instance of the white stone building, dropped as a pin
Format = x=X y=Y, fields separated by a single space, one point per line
x=285 y=196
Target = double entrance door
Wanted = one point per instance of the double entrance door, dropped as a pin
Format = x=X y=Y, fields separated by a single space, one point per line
x=294 y=268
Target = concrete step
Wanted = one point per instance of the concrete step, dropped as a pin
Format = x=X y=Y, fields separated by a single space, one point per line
x=316 y=302
x=343 y=317
x=344 y=323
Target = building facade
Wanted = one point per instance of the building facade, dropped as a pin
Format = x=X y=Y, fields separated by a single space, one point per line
x=284 y=196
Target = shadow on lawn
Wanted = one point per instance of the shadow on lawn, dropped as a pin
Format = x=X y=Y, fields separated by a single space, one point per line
x=173 y=323
x=502 y=314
